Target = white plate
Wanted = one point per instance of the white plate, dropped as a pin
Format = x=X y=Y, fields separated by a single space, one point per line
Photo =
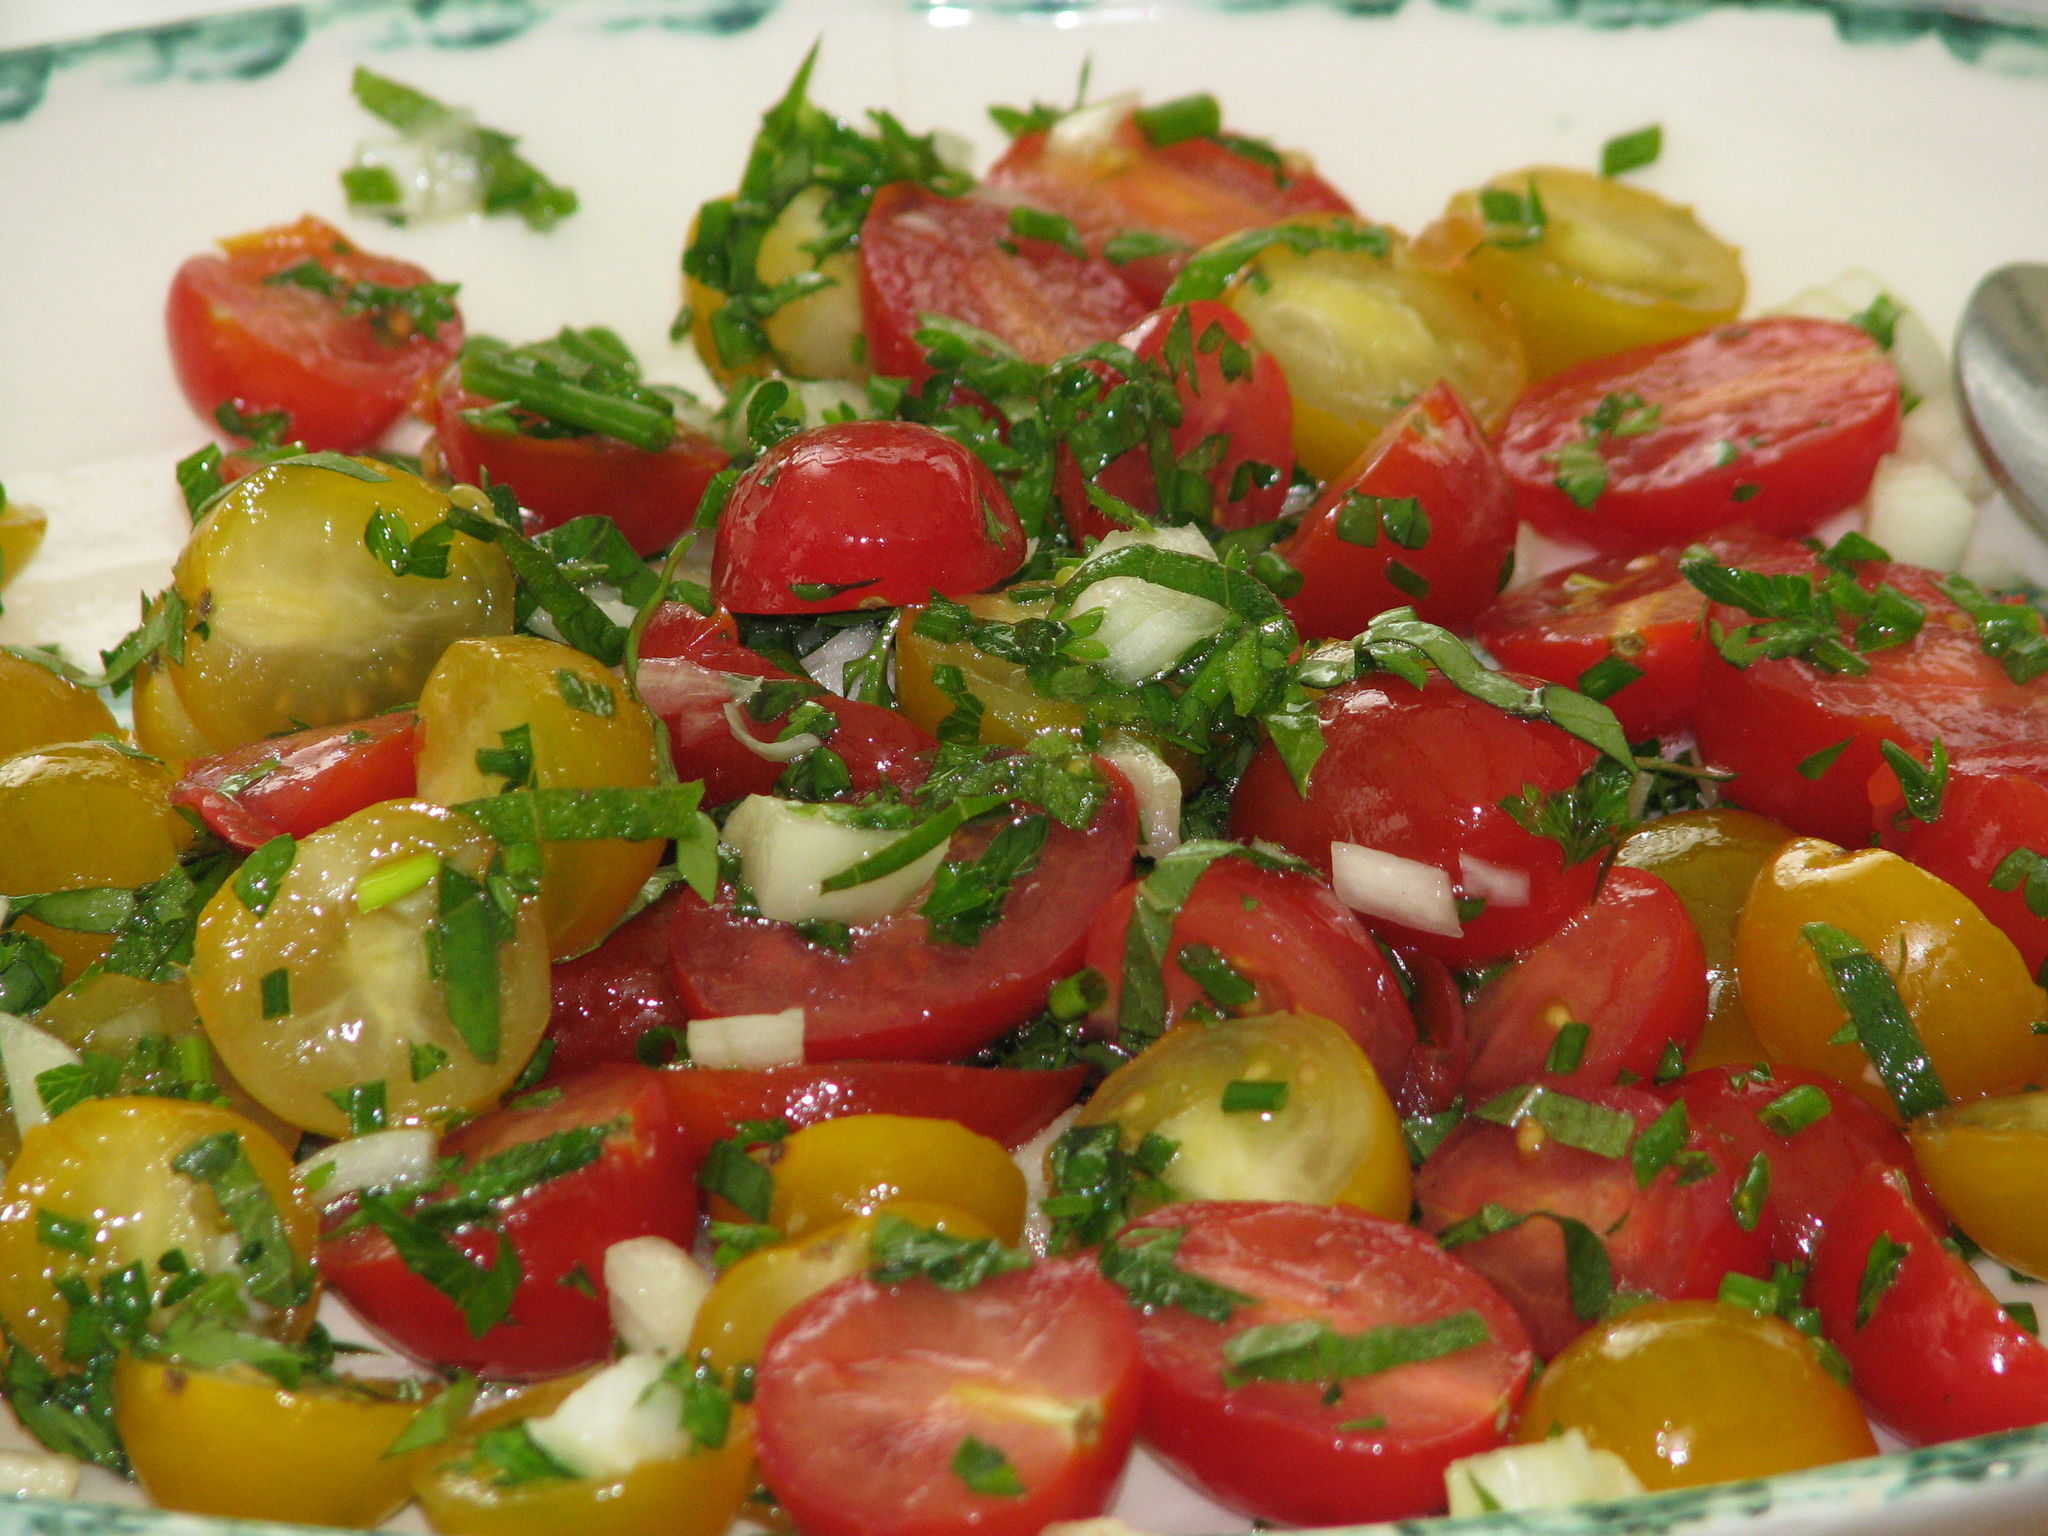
x=1910 y=142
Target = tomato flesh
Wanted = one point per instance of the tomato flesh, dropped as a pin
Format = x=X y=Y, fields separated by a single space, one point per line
x=299 y=783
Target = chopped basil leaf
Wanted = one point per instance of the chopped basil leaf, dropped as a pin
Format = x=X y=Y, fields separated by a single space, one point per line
x=508 y=182
x=1576 y=1122
x=899 y=1250
x=1877 y=1015
x=1751 y=1191
x=1880 y=1272
x=2025 y=871
x=437 y=1418
x=1173 y=122
x=986 y=1470
x=1141 y=1264
x=1814 y=767
x=1631 y=151
x=1313 y=1351
x=272 y=1271
x=1096 y=1183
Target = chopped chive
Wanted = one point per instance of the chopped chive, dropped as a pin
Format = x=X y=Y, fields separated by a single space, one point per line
x=1174 y=122
x=1568 y=1049
x=1658 y=1143
x=986 y=1470
x=1880 y=1272
x=1607 y=677
x=276 y=989
x=1794 y=1110
x=1246 y=1095
x=395 y=880
x=1747 y=1200
x=1812 y=768
x=1631 y=151
x=66 y=1233
x=256 y=882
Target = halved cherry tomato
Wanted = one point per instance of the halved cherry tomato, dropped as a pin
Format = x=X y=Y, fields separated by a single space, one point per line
x=638 y=1185
x=692 y=668
x=607 y=999
x=1236 y=423
x=1934 y=1356
x=1195 y=190
x=1302 y=1451
x=1420 y=518
x=1421 y=773
x=871 y=1401
x=898 y=992
x=922 y=254
x=1300 y=948
x=853 y=1165
x=1811 y=1166
x=1674 y=1236
x=1002 y=1103
x=299 y=783
x=1779 y=422
x=652 y=495
x=1435 y=1077
x=1635 y=608
x=862 y=514
x=1629 y=969
x=39 y=707
x=241 y=330
x=1988 y=1162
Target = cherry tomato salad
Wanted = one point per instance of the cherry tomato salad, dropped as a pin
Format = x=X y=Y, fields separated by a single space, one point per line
x=1031 y=881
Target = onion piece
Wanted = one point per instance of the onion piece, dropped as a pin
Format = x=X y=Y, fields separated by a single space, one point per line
x=621 y=1417
x=788 y=850
x=1919 y=514
x=400 y=1158
x=655 y=1289
x=748 y=1040
x=1385 y=885
x=1496 y=883
x=787 y=751
x=1157 y=787
x=1547 y=1474
x=26 y=1052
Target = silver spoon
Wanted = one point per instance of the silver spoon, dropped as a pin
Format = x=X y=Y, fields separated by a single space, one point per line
x=2001 y=364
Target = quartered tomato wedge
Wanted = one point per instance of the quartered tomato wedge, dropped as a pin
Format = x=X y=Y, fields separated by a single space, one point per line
x=1287 y=1445
x=925 y=254
x=915 y=1411
x=1778 y=422
x=1422 y=518
x=1122 y=180
x=242 y=330
x=299 y=783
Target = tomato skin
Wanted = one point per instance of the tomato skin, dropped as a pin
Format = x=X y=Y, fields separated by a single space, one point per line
x=1443 y=1045
x=271 y=346
x=1669 y=1239
x=640 y=1185
x=1436 y=453
x=1812 y=1168
x=1248 y=407
x=1303 y=948
x=320 y=776
x=1004 y=1104
x=1765 y=720
x=1629 y=967
x=897 y=994
x=651 y=495
x=1421 y=773
x=1199 y=190
x=1938 y=1358
x=682 y=657
x=924 y=253
x=1635 y=606
x=914 y=1369
x=1812 y=404
x=606 y=998
x=1275 y=1449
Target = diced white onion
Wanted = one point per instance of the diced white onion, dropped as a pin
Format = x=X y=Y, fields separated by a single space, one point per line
x=1546 y=1474
x=1496 y=883
x=1916 y=351
x=655 y=1289
x=827 y=664
x=667 y=684
x=621 y=1417
x=37 y=1475
x=1146 y=627
x=1919 y=514
x=747 y=1039
x=1100 y=1525
x=789 y=850
x=1091 y=128
x=400 y=1158
x=1157 y=787
x=774 y=751
x=1385 y=885
x=1933 y=432
x=27 y=1052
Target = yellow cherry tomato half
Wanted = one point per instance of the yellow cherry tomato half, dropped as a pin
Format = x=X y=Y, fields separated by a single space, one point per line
x=1281 y=1106
x=1695 y=1392
x=117 y=1182
x=1968 y=992
x=162 y=727
x=1987 y=1163
x=517 y=711
x=1593 y=266
x=334 y=983
x=852 y=1165
x=747 y=1300
x=1012 y=711
x=21 y=535
x=234 y=1443
x=814 y=336
x=38 y=708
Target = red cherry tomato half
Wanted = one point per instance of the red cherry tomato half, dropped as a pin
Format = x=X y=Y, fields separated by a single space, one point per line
x=652 y=496
x=606 y=999
x=1421 y=773
x=239 y=333
x=1421 y=518
x=691 y=668
x=1804 y=742
x=1674 y=1237
x=1933 y=1354
x=861 y=514
x=1002 y=1103
x=897 y=992
x=1813 y=1166
x=1236 y=421
x=1635 y=608
x=299 y=783
x=1629 y=969
x=1298 y=1452
x=1443 y=1046
x=870 y=1403
x=1302 y=948
x=925 y=254
x=1996 y=802
x=1195 y=191
x=640 y=1185
x=1777 y=422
